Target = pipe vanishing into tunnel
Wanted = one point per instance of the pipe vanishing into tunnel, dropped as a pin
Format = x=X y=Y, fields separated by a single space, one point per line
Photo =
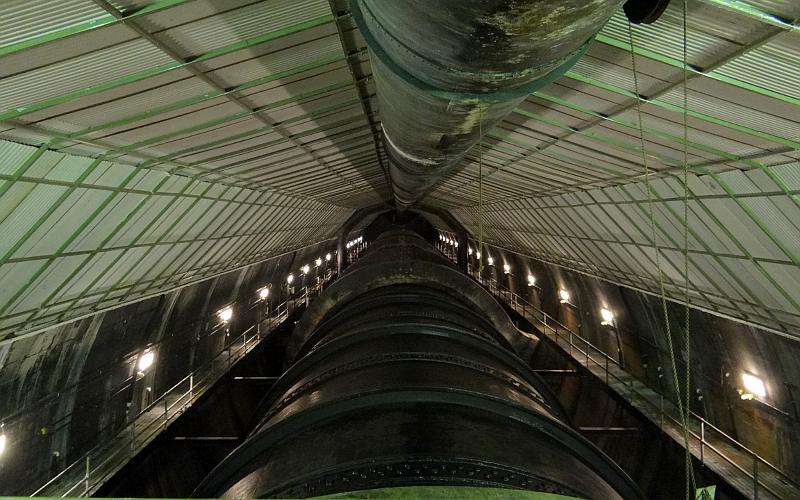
x=404 y=373
x=448 y=71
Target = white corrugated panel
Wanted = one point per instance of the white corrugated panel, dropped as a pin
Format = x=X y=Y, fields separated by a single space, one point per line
x=774 y=66
x=263 y=17
x=78 y=73
x=24 y=19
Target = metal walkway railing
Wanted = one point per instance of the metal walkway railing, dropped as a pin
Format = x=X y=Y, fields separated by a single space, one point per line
x=85 y=475
x=741 y=467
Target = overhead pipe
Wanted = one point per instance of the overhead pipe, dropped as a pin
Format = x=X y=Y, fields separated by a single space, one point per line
x=450 y=70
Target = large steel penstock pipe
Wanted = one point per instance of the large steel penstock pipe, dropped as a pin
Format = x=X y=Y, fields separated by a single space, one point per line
x=403 y=373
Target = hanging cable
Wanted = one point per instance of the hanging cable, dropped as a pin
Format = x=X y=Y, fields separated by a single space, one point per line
x=690 y=482
x=682 y=408
x=480 y=197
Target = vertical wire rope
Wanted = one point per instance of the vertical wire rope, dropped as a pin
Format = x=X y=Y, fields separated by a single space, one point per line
x=690 y=479
x=660 y=273
x=480 y=196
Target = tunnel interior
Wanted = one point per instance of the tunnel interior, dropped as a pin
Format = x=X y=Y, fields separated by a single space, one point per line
x=289 y=248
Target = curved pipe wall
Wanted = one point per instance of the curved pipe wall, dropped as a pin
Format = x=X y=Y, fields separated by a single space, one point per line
x=448 y=70
x=401 y=382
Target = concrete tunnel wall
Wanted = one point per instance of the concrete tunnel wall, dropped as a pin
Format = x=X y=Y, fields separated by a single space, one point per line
x=67 y=389
x=718 y=347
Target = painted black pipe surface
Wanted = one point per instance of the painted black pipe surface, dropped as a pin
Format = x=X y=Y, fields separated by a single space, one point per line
x=448 y=71
x=402 y=373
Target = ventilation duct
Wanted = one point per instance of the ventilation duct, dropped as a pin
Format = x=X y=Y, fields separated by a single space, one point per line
x=450 y=69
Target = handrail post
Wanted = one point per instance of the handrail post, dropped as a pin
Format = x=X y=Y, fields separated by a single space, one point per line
x=702 y=441
x=587 y=354
x=755 y=477
x=86 y=478
x=569 y=339
x=133 y=436
x=191 y=386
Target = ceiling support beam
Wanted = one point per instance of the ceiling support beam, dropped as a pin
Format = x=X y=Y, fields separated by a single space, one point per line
x=236 y=99
x=693 y=73
x=164 y=68
x=360 y=84
x=83 y=27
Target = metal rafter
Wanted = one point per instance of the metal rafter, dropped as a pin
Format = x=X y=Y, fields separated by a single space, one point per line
x=360 y=85
x=232 y=96
x=600 y=118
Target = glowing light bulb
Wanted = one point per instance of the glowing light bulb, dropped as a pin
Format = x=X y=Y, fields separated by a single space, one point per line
x=564 y=296
x=305 y=269
x=2 y=443
x=490 y=261
x=146 y=360
x=290 y=278
x=754 y=385
x=327 y=256
x=318 y=262
x=531 y=280
x=469 y=250
x=263 y=293
x=225 y=314
x=506 y=268
x=607 y=315
x=477 y=255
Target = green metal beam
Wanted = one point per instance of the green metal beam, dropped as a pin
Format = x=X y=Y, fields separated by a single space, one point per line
x=678 y=109
x=92 y=24
x=206 y=97
x=754 y=12
x=715 y=75
x=164 y=68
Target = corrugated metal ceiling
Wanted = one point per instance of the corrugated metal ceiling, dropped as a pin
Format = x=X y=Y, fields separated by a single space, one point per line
x=563 y=176
x=148 y=145
x=223 y=131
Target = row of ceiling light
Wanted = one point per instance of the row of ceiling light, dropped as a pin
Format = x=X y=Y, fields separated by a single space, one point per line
x=753 y=385
x=354 y=242
x=564 y=296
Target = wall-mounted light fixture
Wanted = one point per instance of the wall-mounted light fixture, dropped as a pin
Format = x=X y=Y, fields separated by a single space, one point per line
x=263 y=293
x=3 y=440
x=327 y=257
x=469 y=250
x=506 y=269
x=477 y=255
x=290 y=278
x=305 y=269
x=564 y=296
x=753 y=386
x=531 y=280
x=146 y=360
x=607 y=317
x=225 y=314
x=490 y=261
